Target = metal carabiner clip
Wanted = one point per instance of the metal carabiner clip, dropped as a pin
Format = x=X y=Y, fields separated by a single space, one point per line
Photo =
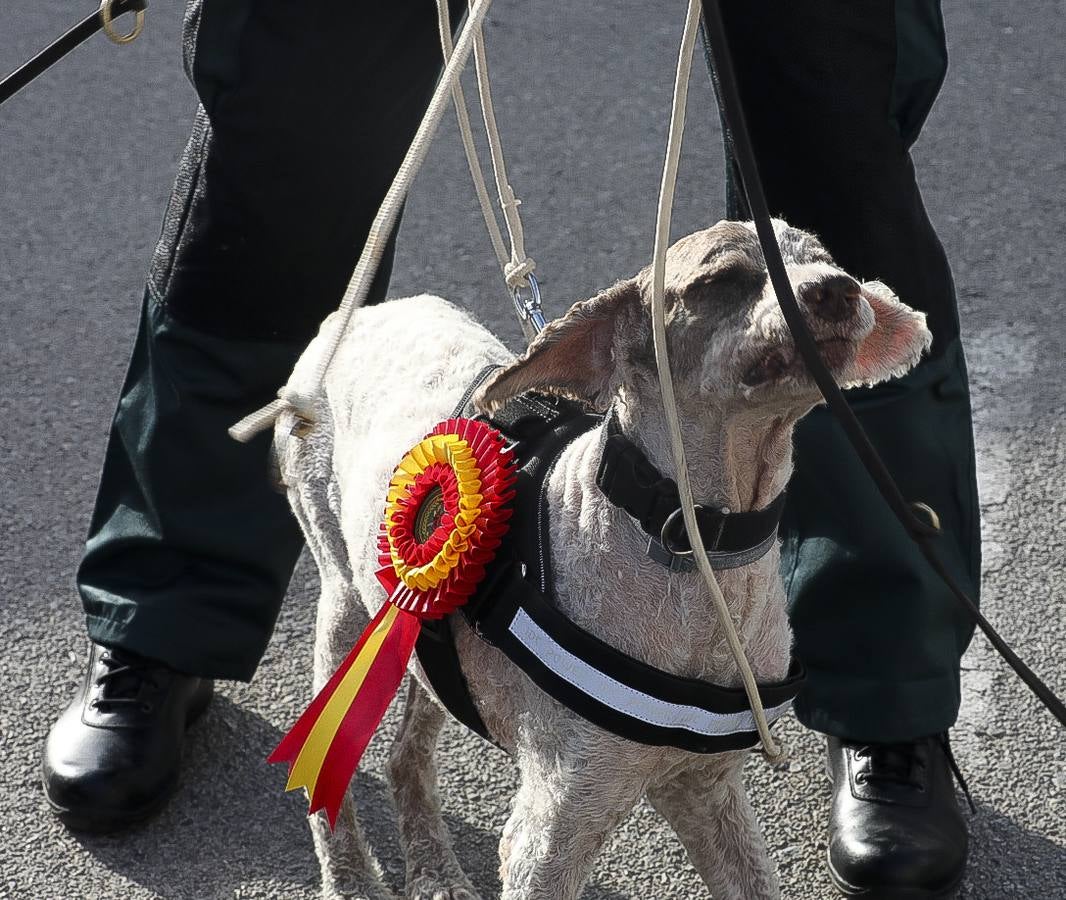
x=529 y=312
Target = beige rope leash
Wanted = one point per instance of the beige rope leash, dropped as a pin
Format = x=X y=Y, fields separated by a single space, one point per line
x=467 y=135
x=663 y=216
x=518 y=267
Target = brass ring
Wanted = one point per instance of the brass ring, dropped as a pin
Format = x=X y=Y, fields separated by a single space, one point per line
x=108 y=26
x=929 y=513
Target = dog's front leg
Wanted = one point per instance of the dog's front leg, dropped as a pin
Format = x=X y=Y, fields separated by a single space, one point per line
x=433 y=872
x=563 y=813
x=708 y=807
x=349 y=871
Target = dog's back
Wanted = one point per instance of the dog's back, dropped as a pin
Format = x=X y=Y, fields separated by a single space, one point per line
x=400 y=369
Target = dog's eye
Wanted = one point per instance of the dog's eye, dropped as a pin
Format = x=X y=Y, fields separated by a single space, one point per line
x=767 y=368
x=735 y=273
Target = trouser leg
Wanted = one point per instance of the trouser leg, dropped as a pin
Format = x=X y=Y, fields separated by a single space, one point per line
x=835 y=94
x=305 y=114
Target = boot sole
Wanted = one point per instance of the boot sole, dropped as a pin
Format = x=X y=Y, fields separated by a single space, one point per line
x=99 y=822
x=891 y=893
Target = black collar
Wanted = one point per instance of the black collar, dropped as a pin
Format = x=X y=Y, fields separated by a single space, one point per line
x=629 y=481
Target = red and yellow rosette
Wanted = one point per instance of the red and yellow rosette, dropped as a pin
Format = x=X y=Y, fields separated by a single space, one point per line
x=445 y=515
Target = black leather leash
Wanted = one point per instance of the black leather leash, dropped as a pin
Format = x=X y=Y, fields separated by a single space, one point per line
x=55 y=51
x=922 y=532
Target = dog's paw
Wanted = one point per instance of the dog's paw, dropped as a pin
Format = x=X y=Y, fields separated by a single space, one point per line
x=433 y=886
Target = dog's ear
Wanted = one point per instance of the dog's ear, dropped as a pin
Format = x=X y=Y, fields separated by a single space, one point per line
x=574 y=356
x=896 y=343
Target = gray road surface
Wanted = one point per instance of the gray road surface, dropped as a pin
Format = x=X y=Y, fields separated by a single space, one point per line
x=87 y=155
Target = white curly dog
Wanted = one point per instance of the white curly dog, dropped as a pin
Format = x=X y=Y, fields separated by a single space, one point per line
x=740 y=390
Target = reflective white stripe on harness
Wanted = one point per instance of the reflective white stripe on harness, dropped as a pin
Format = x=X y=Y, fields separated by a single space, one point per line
x=624 y=699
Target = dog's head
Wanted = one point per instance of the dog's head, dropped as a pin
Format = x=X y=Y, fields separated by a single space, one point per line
x=728 y=341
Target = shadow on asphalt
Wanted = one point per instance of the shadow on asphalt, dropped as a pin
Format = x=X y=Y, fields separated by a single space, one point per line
x=231 y=831
x=229 y=827
x=1008 y=860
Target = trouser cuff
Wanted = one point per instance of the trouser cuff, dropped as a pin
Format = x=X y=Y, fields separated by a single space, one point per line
x=878 y=711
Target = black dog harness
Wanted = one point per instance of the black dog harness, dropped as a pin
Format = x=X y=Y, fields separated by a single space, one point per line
x=514 y=609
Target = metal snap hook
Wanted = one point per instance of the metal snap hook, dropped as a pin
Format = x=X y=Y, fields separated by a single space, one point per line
x=107 y=23
x=529 y=311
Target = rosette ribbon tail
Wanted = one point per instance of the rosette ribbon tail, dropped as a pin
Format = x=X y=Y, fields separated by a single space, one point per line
x=325 y=745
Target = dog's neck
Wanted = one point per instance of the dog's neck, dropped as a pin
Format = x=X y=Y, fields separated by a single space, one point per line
x=606 y=582
x=737 y=459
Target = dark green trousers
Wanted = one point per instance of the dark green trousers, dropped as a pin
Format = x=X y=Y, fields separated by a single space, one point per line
x=295 y=143
x=835 y=94
x=189 y=551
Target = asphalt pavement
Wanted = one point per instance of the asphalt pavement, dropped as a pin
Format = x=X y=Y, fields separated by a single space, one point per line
x=87 y=155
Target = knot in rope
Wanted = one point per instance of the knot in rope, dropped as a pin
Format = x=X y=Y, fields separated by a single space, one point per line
x=516 y=272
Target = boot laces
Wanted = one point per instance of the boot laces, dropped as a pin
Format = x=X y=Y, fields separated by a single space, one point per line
x=899 y=763
x=123 y=682
x=891 y=763
x=945 y=745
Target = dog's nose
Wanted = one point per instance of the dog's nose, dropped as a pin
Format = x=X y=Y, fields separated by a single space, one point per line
x=834 y=298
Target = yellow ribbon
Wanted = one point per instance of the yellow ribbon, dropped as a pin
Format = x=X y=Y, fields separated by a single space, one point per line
x=305 y=770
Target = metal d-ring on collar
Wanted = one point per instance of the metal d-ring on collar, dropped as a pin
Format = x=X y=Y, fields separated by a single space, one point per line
x=676 y=518
x=669 y=552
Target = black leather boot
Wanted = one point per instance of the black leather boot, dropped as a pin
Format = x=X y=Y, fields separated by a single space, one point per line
x=113 y=756
x=895 y=828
